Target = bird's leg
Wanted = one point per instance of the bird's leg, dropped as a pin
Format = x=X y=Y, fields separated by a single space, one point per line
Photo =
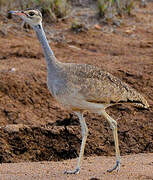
x=113 y=125
x=84 y=130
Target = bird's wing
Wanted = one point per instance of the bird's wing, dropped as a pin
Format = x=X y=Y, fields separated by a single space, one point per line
x=96 y=85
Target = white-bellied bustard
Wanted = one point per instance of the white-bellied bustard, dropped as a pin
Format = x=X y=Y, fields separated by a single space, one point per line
x=82 y=87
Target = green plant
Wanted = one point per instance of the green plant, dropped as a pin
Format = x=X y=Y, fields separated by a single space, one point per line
x=102 y=6
x=78 y=27
x=129 y=6
x=110 y=8
x=52 y=9
x=2 y=2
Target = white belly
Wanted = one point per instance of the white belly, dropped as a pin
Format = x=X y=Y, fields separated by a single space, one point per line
x=76 y=104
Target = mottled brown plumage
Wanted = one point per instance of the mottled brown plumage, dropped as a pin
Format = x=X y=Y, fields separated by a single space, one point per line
x=91 y=84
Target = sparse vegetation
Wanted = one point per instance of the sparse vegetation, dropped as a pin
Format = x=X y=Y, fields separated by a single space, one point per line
x=53 y=9
x=78 y=27
x=2 y=3
x=111 y=8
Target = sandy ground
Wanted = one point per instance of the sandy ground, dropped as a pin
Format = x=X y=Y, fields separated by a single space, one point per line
x=134 y=167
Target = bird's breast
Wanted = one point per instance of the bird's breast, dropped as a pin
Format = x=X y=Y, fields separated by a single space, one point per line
x=57 y=86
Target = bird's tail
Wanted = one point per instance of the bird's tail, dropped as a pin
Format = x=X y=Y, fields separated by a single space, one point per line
x=138 y=100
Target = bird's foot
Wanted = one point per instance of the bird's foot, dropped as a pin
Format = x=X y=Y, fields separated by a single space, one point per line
x=116 y=167
x=76 y=171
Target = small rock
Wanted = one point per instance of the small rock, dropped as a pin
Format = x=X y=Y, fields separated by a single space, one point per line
x=13 y=127
x=97 y=26
x=74 y=47
x=13 y=70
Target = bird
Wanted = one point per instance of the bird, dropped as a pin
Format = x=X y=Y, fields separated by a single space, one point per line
x=82 y=87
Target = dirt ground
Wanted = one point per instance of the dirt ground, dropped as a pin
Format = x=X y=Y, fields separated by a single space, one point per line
x=33 y=127
x=134 y=167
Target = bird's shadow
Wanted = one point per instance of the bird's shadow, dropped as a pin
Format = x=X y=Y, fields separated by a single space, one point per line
x=70 y=121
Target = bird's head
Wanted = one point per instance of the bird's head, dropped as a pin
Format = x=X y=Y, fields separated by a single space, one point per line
x=32 y=17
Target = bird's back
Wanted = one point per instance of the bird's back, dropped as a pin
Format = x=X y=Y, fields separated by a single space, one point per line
x=90 y=83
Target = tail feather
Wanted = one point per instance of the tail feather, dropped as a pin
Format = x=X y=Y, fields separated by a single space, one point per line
x=138 y=100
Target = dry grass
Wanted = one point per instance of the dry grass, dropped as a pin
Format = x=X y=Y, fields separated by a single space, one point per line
x=111 y=8
x=53 y=9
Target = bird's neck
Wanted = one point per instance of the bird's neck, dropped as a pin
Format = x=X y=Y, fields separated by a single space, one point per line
x=49 y=55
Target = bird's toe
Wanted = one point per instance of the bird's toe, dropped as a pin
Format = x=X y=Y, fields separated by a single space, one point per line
x=76 y=171
x=116 y=167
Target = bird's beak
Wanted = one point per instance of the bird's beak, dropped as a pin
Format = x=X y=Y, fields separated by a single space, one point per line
x=18 y=13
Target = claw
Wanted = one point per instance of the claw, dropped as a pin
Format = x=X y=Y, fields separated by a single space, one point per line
x=117 y=166
x=76 y=171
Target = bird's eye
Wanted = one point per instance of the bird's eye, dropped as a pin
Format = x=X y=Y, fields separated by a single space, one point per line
x=31 y=13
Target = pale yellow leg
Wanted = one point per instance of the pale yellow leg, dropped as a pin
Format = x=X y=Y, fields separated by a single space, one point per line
x=113 y=125
x=84 y=131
